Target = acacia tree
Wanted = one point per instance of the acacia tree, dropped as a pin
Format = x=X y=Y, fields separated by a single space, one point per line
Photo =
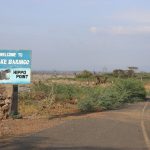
x=132 y=70
x=119 y=73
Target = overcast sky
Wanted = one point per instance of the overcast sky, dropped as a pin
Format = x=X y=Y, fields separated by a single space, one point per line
x=78 y=34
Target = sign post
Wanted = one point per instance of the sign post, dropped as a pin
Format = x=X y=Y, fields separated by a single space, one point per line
x=14 y=103
x=15 y=69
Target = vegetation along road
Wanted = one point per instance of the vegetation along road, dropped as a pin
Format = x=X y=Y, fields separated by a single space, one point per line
x=124 y=129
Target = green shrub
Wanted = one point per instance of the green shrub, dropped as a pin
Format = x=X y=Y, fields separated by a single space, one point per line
x=61 y=92
x=110 y=99
x=123 y=91
x=89 y=98
x=87 y=105
x=89 y=102
x=65 y=91
x=85 y=74
x=134 y=88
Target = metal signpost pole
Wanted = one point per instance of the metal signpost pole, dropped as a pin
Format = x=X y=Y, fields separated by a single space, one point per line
x=14 y=104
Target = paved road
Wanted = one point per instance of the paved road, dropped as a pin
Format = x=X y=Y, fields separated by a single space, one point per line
x=125 y=129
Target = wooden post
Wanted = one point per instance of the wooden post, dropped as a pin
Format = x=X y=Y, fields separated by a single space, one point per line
x=14 y=103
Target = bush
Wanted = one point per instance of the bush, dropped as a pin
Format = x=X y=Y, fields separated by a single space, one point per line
x=84 y=74
x=89 y=98
x=123 y=91
x=110 y=99
x=65 y=92
x=102 y=99
x=87 y=105
x=59 y=92
x=135 y=89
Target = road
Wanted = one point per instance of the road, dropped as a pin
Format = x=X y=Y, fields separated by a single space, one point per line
x=124 y=129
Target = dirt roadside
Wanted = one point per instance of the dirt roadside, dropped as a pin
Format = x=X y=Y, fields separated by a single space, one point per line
x=25 y=126
x=17 y=127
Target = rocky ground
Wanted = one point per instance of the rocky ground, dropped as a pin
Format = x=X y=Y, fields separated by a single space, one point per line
x=5 y=102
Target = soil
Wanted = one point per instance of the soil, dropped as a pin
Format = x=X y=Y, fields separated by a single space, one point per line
x=19 y=127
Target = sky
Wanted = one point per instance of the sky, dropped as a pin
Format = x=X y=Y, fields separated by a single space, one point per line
x=78 y=34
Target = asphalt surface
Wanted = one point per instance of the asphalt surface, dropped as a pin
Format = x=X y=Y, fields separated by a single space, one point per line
x=124 y=129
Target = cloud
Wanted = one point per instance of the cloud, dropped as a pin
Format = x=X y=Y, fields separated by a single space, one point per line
x=132 y=22
x=136 y=16
x=121 y=30
x=93 y=29
x=39 y=1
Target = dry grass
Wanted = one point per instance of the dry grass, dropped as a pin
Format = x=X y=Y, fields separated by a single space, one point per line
x=43 y=111
x=147 y=87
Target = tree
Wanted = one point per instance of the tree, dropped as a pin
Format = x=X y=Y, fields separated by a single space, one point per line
x=132 y=70
x=119 y=73
x=84 y=74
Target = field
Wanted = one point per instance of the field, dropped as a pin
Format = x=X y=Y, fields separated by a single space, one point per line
x=58 y=95
x=51 y=99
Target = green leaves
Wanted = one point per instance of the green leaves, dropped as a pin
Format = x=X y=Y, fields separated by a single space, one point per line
x=123 y=91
